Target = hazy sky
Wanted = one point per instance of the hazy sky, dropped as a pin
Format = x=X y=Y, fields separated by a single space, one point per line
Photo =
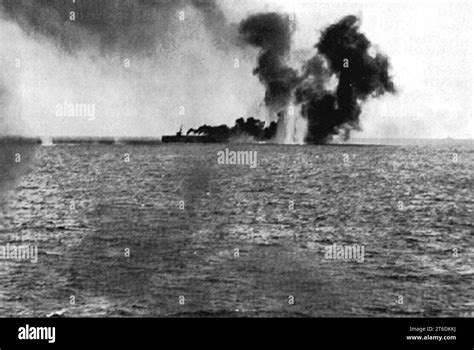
x=429 y=45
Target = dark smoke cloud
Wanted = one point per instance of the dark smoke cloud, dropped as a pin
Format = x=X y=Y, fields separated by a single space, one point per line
x=343 y=52
x=126 y=26
x=271 y=32
x=360 y=75
x=366 y=73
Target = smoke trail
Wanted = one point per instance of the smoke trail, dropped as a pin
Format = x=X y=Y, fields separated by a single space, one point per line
x=251 y=127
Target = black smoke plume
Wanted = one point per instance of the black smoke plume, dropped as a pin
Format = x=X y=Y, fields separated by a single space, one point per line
x=271 y=32
x=360 y=75
x=343 y=52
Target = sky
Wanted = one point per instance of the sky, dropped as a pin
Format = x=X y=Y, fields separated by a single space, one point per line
x=429 y=45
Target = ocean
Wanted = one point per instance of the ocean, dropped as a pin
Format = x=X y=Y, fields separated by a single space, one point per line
x=165 y=230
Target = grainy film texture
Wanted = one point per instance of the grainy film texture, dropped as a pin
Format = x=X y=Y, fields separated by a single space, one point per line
x=236 y=158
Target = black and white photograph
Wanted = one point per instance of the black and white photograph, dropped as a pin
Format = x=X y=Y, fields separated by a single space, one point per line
x=236 y=159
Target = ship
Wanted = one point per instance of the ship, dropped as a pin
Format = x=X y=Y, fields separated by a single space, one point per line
x=180 y=138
